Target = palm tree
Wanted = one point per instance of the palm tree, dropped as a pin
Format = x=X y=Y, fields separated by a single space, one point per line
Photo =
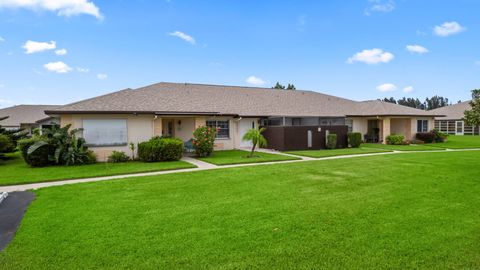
x=255 y=136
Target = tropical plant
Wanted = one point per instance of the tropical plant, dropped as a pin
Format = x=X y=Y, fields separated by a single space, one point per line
x=56 y=146
x=132 y=148
x=204 y=140
x=255 y=136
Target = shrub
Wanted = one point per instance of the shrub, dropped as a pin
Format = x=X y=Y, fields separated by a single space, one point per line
x=395 y=139
x=92 y=157
x=331 y=141
x=38 y=158
x=117 y=157
x=427 y=137
x=439 y=136
x=5 y=143
x=56 y=146
x=204 y=139
x=355 y=139
x=160 y=149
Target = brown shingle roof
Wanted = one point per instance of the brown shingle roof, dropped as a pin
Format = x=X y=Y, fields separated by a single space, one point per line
x=24 y=114
x=230 y=100
x=453 y=112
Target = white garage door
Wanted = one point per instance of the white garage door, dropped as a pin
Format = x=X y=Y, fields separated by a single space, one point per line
x=244 y=125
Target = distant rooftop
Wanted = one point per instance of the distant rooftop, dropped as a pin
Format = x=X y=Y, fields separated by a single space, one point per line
x=24 y=114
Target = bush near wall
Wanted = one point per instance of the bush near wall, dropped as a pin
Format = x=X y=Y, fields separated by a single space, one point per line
x=118 y=157
x=395 y=139
x=204 y=140
x=439 y=136
x=160 y=149
x=331 y=141
x=427 y=137
x=354 y=139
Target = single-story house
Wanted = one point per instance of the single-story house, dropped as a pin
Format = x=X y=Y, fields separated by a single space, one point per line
x=112 y=121
x=28 y=117
x=452 y=122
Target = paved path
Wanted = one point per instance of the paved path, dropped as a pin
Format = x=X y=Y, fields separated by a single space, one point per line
x=11 y=213
x=201 y=166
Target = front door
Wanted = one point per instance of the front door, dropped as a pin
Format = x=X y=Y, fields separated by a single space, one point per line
x=244 y=126
x=459 y=127
x=168 y=128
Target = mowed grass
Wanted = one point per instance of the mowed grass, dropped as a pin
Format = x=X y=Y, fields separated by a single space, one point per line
x=227 y=157
x=411 y=211
x=14 y=170
x=411 y=147
x=336 y=152
x=459 y=142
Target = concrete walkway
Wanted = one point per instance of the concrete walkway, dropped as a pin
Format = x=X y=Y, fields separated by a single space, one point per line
x=201 y=166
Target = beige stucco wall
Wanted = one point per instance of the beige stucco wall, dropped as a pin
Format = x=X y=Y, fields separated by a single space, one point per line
x=360 y=125
x=139 y=129
x=406 y=126
x=142 y=127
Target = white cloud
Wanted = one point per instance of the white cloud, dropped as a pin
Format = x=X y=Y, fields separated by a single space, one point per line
x=183 y=36
x=379 y=6
x=477 y=63
x=387 y=87
x=408 y=89
x=2 y=85
x=448 y=28
x=255 y=81
x=373 y=56
x=416 y=49
x=58 y=67
x=61 y=52
x=6 y=103
x=61 y=7
x=2 y=39
x=35 y=46
x=83 y=70
x=102 y=76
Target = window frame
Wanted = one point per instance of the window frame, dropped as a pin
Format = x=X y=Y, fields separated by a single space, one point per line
x=107 y=144
x=217 y=137
x=423 y=127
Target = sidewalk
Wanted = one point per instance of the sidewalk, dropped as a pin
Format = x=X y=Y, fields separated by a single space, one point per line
x=201 y=166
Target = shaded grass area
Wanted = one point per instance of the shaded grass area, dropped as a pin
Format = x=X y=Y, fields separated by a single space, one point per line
x=381 y=212
x=336 y=152
x=227 y=157
x=459 y=142
x=14 y=170
x=411 y=147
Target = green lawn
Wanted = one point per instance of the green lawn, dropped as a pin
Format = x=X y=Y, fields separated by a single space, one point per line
x=16 y=171
x=336 y=152
x=228 y=157
x=411 y=147
x=411 y=211
x=459 y=142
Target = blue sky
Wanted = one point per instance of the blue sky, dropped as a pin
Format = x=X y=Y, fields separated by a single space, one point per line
x=353 y=49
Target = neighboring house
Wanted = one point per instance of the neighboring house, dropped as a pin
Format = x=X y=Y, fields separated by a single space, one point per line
x=452 y=122
x=28 y=117
x=110 y=122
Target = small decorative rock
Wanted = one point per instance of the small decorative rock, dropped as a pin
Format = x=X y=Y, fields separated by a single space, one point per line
x=3 y=196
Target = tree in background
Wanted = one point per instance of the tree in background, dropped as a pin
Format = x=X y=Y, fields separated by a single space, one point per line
x=390 y=100
x=436 y=102
x=428 y=104
x=472 y=117
x=255 y=136
x=282 y=87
